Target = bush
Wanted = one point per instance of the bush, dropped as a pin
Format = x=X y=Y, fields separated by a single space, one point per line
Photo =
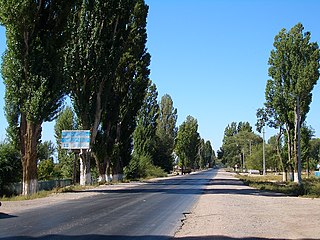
x=10 y=167
x=142 y=167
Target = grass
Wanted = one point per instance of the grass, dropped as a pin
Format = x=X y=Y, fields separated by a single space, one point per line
x=310 y=187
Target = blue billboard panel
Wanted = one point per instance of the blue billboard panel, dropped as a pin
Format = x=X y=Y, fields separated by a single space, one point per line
x=75 y=139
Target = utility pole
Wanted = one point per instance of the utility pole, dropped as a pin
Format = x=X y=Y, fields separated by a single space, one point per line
x=264 y=155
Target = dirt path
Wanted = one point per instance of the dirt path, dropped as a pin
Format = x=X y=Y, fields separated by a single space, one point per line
x=230 y=210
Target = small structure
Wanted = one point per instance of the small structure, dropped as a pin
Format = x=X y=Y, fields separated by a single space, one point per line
x=78 y=141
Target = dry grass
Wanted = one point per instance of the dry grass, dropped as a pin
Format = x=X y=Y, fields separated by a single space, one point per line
x=310 y=187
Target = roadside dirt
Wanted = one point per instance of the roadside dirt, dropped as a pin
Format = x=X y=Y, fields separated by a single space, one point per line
x=231 y=210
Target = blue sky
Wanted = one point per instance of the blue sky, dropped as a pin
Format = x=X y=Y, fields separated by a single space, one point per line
x=211 y=56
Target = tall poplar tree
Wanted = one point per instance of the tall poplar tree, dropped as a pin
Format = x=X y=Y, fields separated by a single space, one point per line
x=99 y=30
x=32 y=70
x=144 y=135
x=127 y=91
x=294 y=70
x=187 y=143
x=166 y=133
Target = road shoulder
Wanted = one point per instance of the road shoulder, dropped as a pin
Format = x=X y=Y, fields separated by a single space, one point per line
x=228 y=209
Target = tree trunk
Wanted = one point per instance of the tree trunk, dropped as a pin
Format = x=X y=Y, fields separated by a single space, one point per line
x=102 y=172
x=118 y=171
x=118 y=166
x=30 y=133
x=76 y=158
x=291 y=169
x=288 y=129
x=282 y=163
x=296 y=145
x=85 y=174
x=108 y=170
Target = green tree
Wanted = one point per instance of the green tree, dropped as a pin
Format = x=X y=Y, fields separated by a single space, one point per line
x=127 y=92
x=98 y=29
x=144 y=136
x=67 y=161
x=33 y=73
x=238 y=142
x=314 y=153
x=306 y=134
x=46 y=150
x=46 y=169
x=294 y=69
x=206 y=154
x=10 y=167
x=187 y=143
x=106 y=60
x=166 y=133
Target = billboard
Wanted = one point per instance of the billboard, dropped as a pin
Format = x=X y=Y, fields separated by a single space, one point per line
x=75 y=139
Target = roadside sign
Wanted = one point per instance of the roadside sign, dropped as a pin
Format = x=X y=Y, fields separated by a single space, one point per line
x=75 y=139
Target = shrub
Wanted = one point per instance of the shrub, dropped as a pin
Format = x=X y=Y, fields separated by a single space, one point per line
x=142 y=167
x=10 y=167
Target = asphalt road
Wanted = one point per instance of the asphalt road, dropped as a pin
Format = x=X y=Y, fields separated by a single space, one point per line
x=148 y=211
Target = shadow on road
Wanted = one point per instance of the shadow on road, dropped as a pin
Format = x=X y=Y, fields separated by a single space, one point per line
x=193 y=186
x=236 y=186
x=4 y=215
x=108 y=237
x=183 y=186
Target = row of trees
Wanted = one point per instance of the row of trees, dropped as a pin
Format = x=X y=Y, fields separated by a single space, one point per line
x=243 y=149
x=92 y=50
x=193 y=152
x=294 y=71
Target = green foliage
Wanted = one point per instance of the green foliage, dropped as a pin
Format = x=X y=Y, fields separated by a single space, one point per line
x=10 y=167
x=47 y=170
x=142 y=167
x=32 y=70
x=314 y=153
x=166 y=133
x=65 y=121
x=206 y=155
x=294 y=71
x=187 y=142
x=254 y=161
x=107 y=62
x=238 y=143
x=144 y=136
x=46 y=150
x=32 y=64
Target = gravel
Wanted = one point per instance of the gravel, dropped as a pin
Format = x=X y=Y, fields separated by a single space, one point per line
x=229 y=209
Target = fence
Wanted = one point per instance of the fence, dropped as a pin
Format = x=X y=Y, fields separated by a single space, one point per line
x=16 y=188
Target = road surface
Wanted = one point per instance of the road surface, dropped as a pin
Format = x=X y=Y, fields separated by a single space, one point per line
x=147 y=211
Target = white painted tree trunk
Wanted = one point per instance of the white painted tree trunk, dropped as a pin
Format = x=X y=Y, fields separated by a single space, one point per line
x=117 y=177
x=102 y=178
x=85 y=175
x=284 y=176
x=109 y=178
x=30 y=187
x=296 y=178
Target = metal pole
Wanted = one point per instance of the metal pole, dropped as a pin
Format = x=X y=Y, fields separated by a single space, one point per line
x=264 y=155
